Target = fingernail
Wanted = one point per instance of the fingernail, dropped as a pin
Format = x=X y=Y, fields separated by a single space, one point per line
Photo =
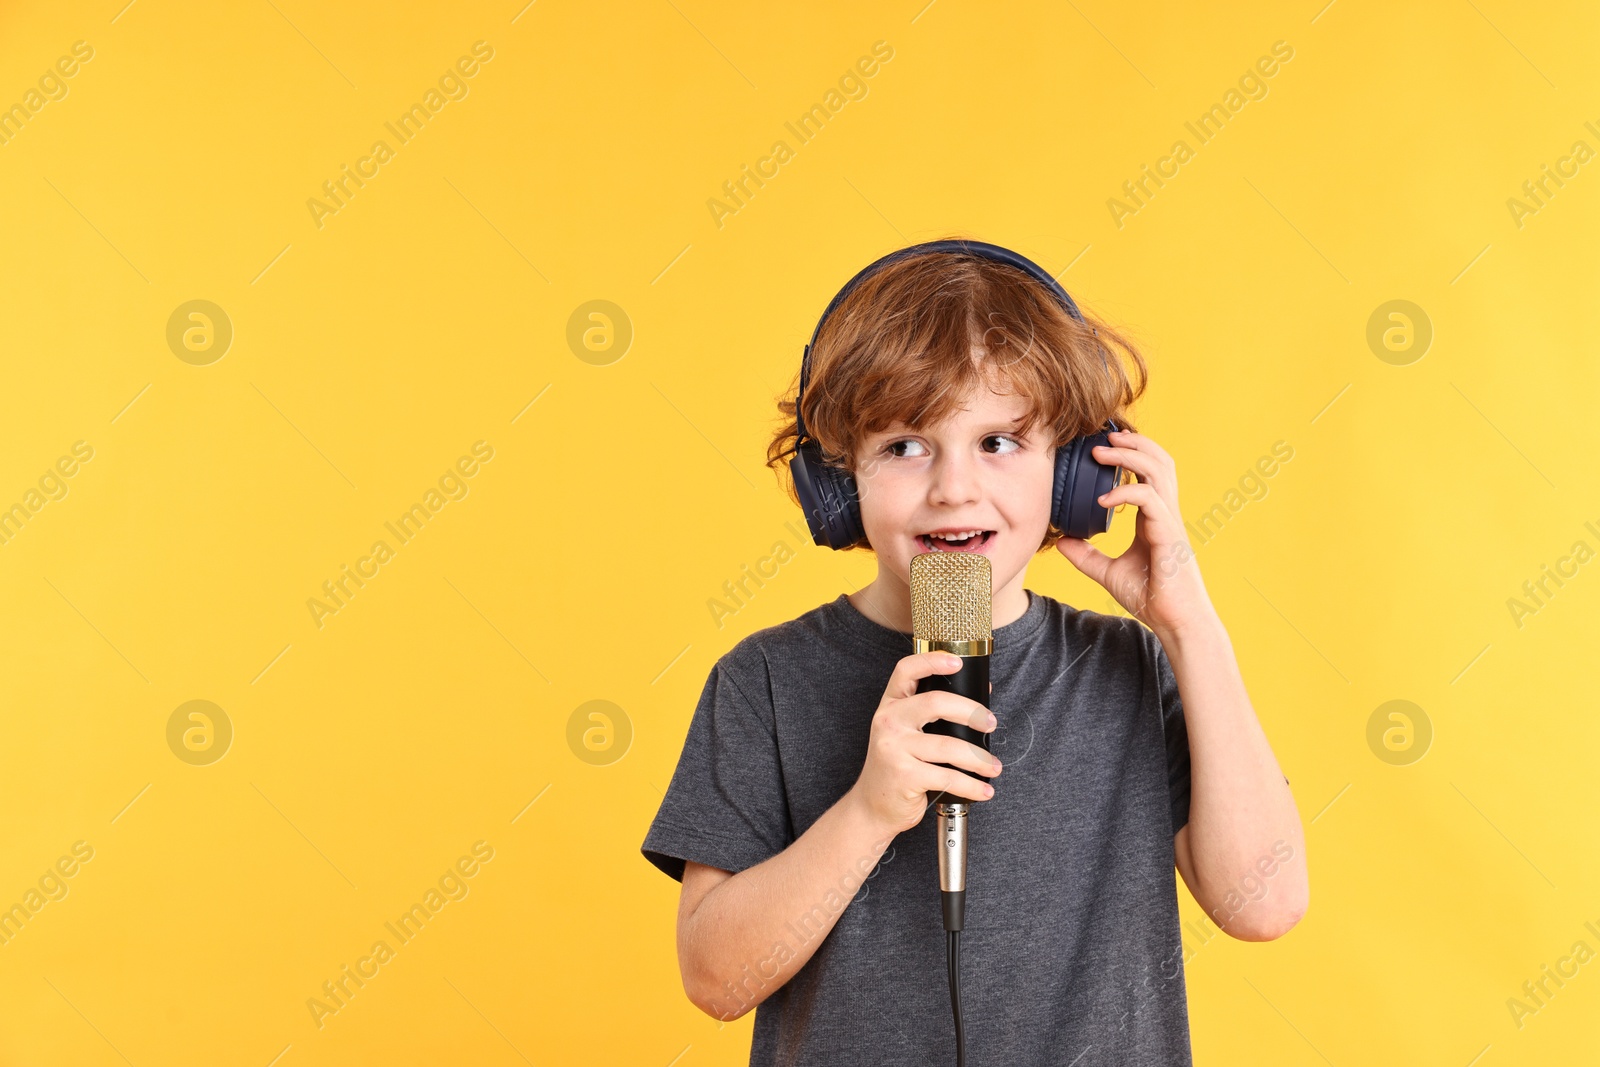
x=991 y=720
x=988 y=790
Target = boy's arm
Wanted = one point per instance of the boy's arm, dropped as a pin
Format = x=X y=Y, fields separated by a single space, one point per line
x=1242 y=853
x=1242 y=817
x=742 y=936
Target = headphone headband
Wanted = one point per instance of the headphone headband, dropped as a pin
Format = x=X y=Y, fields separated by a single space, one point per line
x=973 y=248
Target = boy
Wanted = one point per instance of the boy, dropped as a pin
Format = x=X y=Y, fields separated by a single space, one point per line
x=796 y=818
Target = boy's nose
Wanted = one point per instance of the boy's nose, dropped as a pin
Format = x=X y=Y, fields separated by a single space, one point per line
x=956 y=480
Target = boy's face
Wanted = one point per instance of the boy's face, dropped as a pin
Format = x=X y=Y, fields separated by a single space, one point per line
x=969 y=472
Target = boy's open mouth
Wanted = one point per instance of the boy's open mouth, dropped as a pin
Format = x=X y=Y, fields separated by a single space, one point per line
x=956 y=541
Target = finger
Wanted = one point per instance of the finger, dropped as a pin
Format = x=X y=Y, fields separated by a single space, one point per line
x=1084 y=556
x=1147 y=467
x=954 y=752
x=1141 y=495
x=939 y=704
x=958 y=784
x=911 y=669
x=1139 y=440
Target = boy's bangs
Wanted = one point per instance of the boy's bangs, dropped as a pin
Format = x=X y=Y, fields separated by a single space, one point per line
x=930 y=373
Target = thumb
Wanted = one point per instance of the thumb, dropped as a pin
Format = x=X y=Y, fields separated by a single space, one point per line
x=1084 y=556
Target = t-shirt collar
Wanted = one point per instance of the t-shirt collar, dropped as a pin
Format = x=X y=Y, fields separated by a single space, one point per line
x=1009 y=637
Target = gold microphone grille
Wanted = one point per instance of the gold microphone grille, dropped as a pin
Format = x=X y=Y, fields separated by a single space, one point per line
x=951 y=596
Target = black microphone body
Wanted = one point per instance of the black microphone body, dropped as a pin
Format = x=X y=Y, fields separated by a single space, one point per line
x=972 y=682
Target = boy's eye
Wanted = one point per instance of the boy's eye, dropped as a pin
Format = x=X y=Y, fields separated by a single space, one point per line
x=1005 y=444
x=893 y=447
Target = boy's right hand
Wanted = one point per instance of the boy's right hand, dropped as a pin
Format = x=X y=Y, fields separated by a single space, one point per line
x=901 y=768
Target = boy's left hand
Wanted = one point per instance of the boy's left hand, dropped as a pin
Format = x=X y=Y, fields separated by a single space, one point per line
x=1157 y=579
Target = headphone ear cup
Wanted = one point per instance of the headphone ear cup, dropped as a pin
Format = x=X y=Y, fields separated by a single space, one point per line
x=1079 y=482
x=828 y=497
x=844 y=506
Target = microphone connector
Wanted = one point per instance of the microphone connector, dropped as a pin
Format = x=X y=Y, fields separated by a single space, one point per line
x=953 y=861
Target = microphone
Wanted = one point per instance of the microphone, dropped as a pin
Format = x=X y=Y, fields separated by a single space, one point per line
x=952 y=610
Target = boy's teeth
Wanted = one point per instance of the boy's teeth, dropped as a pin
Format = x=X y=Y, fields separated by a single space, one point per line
x=972 y=539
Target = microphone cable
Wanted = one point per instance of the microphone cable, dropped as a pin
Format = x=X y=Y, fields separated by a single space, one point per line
x=953 y=951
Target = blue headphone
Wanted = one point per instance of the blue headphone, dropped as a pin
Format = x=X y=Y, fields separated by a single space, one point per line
x=828 y=494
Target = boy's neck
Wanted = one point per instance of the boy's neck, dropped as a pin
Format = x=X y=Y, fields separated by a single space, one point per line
x=886 y=600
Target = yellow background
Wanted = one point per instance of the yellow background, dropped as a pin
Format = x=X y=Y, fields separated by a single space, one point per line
x=432 y=710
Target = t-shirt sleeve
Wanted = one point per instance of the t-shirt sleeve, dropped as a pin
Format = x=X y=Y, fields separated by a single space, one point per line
x=725 y=806
x=1176 y=731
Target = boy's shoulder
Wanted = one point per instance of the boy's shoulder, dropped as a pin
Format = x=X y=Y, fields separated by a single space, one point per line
x=807 y=632
x=1075 y=633
x=1094 y=626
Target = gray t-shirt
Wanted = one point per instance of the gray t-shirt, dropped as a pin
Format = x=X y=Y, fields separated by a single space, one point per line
x=1071 y=952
